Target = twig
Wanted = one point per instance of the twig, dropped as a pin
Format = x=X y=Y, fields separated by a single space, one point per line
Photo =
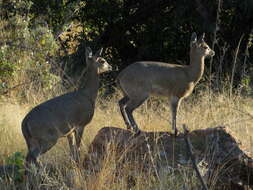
x=5 y=91
x=246 y=54
x=67 y=19
x=151 y=157
x=192 y=156
x=217 y=23
x=67 y=77
x=234 y=63
x=223 y=51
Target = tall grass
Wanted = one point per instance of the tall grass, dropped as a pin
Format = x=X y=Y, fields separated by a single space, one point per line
x=57 y=172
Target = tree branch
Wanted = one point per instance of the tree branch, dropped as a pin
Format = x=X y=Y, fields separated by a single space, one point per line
x=192 y=156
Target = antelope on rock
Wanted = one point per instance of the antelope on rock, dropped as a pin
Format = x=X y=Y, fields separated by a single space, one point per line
x=141 y=79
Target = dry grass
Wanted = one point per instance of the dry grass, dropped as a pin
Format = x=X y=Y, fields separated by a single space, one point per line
x=200 y=111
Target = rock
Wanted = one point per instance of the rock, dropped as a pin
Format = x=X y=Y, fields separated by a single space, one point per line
x=215 y=149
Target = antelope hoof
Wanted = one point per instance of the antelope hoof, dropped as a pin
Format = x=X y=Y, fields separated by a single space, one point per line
x=175 y=132
x=136 y=132
x=128 y=127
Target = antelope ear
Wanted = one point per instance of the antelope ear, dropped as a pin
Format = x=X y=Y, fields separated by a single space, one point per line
x=88 y=52
x=202 y=38
x=193 y=39
x=99 y=52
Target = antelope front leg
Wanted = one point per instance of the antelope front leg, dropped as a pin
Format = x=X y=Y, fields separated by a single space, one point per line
x=78 y=136
x=74 y=154
x=175 y=102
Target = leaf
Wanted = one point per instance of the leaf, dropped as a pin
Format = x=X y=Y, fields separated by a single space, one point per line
x=42 y=41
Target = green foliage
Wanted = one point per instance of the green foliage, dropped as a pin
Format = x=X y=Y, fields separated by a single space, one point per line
x=12 y=8
x=26 y=54
x=17 y=160
x=161 y=30
x=246 y=84
x=6 y=68
x=246 y=81
x=129 y=30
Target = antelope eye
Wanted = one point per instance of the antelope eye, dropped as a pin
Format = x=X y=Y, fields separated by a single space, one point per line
x=205 y=47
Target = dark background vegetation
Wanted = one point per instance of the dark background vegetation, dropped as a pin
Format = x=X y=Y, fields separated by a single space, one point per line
x=131 y=30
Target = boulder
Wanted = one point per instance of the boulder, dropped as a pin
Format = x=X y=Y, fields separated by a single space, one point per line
x=215 y=150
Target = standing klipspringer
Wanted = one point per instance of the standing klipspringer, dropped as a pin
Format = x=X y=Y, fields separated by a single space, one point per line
x=142 y=79
x=65 y=115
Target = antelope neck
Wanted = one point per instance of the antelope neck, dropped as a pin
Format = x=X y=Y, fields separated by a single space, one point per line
x=196 y=67
x=91 y=84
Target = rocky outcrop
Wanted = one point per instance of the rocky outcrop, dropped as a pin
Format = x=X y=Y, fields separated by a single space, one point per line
x=216 y=151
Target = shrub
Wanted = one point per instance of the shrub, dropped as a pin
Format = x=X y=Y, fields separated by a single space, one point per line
x=26 y=56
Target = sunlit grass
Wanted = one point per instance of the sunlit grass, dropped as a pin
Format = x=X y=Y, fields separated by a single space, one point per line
x=201 y=111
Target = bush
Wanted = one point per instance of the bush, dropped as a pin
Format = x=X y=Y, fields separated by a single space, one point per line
x=26 y=56
x=17 y=160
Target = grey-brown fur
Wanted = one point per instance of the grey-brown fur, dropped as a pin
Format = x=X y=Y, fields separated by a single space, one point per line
x=142 y=79
x=65 y=115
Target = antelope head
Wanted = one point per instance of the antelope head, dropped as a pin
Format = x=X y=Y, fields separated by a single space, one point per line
x=200 y=47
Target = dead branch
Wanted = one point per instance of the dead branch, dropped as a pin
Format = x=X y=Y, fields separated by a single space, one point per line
x=192 y=156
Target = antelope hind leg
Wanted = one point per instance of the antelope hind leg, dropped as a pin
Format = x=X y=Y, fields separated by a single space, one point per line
x=122 y=104
x=131 y=105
